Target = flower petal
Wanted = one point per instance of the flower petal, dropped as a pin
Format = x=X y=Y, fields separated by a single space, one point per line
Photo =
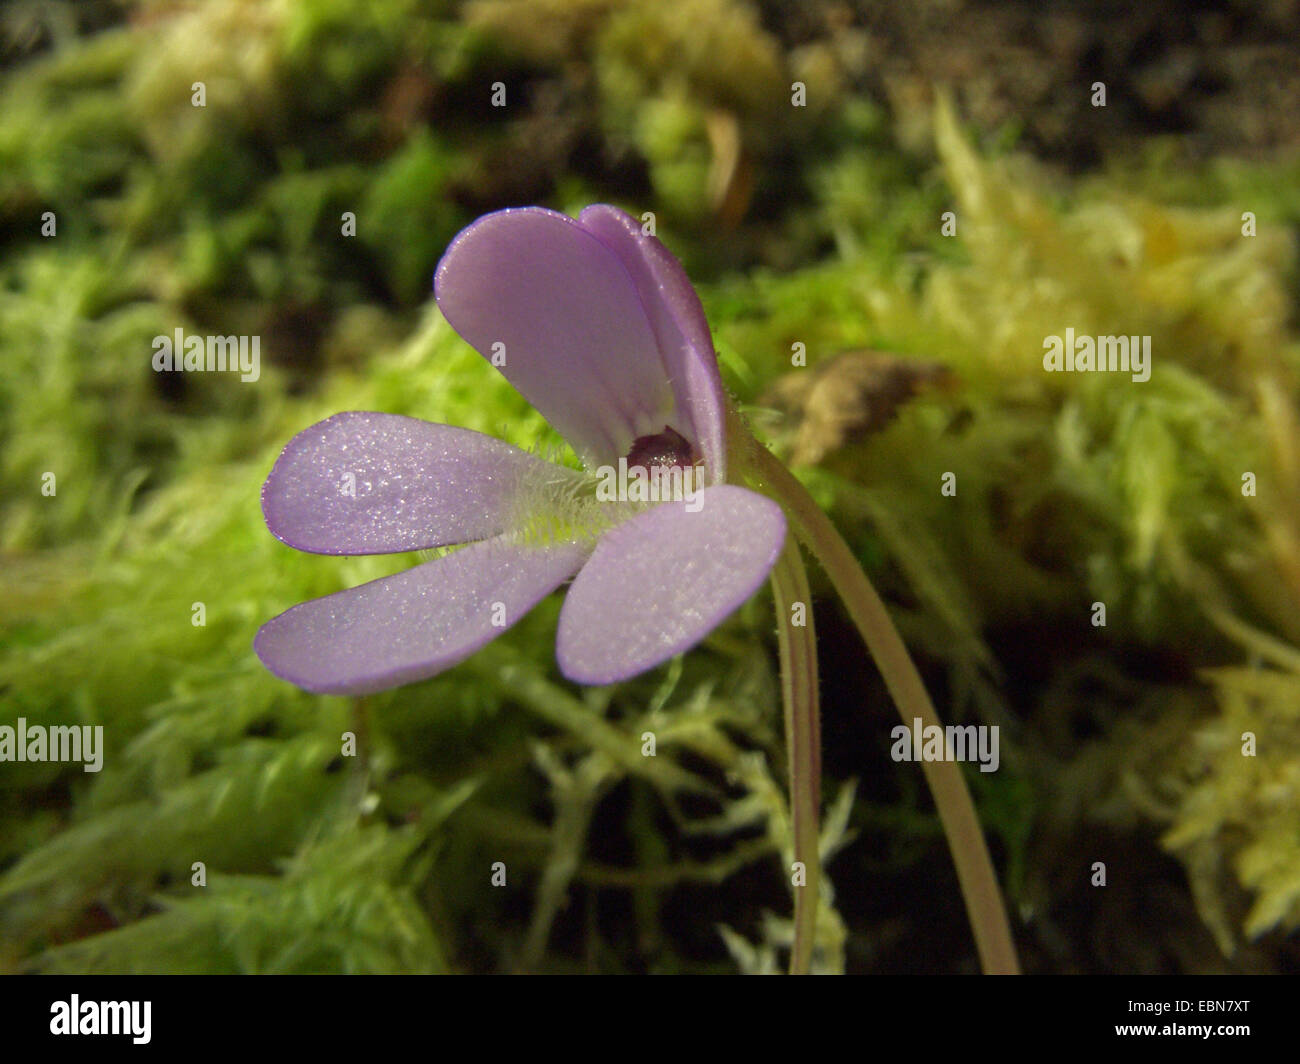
x=658 y=584
x=416 y=623
x=578 y=344
x=367 y=483
x=680 y=327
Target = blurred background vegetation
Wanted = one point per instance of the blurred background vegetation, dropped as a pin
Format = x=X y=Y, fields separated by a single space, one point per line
x=817 y=225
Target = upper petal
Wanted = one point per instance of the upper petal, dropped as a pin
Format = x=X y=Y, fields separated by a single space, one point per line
x=416 y=623
x=577 y=342
x=681 y=330
x=659 y=583
x=369 y=483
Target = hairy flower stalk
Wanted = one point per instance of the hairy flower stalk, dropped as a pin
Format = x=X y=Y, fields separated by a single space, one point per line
x=797 y=643
x=751 y=461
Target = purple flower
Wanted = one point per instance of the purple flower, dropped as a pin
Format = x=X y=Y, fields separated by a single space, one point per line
x=598 y=327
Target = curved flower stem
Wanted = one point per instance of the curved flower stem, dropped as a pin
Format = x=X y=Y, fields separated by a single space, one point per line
x=975 y=873
x=798 y=647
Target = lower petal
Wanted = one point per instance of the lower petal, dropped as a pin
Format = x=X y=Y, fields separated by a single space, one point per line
x=658 y=584
x=370 y=483
x=416 y=623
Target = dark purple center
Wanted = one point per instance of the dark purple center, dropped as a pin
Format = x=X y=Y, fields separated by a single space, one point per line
x=669 y=448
